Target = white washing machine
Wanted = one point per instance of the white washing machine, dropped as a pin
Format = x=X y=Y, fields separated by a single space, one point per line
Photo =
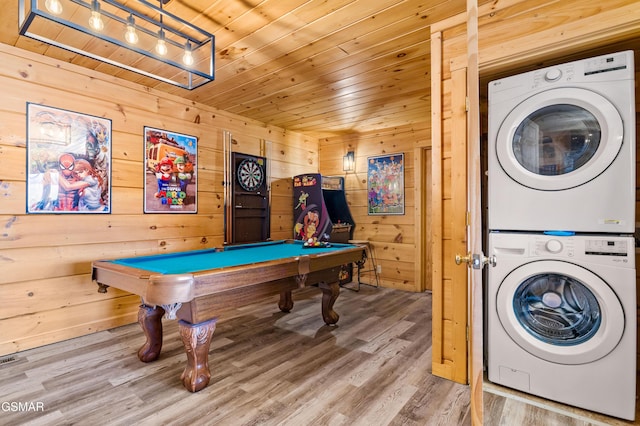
x=561 y=319
x=562 y=148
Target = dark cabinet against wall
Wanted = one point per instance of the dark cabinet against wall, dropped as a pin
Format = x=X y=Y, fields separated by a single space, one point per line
x=250 y=213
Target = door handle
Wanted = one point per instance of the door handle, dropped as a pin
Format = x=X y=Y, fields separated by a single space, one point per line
x=490 y=260
x=463 y=259
x=477 y=261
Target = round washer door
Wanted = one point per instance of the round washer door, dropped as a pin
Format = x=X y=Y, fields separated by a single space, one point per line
x=560 y=312
x=559 y=139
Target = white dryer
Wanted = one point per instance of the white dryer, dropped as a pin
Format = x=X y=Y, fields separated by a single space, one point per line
x=562 y=148
x=561 y=319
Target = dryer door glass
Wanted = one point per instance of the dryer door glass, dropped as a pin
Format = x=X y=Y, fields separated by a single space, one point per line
x=556 y=140
x=559 y=139
x=557 y=309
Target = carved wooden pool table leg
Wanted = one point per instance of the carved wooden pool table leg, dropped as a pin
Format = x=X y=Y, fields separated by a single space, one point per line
x=150 y=319
x=286 y=301
x=330 y=293
x=197 y=340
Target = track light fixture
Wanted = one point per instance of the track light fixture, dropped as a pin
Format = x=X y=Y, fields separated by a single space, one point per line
x=53 y=6
x=95 y=21
x=161 y=45
x=164 y=46
x=131 y=35
x=187 y=58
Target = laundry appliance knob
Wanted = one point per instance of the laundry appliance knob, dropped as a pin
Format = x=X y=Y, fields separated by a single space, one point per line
x=553 y=246
x=553 y=74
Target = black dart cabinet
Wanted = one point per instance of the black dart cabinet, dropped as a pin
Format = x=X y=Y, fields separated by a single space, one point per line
x=250 y=197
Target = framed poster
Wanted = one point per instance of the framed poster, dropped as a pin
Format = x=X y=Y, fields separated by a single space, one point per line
x=170 y=184
x=68 y=161
x=385 y=184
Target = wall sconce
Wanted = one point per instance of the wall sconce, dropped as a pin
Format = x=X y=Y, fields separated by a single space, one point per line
x=141 y=37
x=349 y=162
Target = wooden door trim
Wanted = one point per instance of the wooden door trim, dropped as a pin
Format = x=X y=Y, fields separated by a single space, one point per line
x=459 y=222
x=476 y=347
x=438 y=368
x=424 y=200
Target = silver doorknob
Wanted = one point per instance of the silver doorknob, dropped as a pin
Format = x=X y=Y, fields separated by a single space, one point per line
x=491 y=260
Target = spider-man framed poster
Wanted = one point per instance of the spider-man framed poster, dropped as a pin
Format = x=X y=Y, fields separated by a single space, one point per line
x=170 y=183
x=68 y=161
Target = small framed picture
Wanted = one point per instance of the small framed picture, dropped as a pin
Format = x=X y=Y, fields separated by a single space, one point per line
x=68 y=161
x=385 y=184
x=171 y=182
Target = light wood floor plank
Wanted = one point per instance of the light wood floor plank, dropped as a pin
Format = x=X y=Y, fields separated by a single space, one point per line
x=268 y=368
x=271 y=369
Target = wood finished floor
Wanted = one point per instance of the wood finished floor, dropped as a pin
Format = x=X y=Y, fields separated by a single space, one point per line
x=506 y=407
x=268 y=368
x=271 y=368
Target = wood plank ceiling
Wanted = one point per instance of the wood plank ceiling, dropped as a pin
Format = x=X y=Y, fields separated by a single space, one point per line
x=318 y=67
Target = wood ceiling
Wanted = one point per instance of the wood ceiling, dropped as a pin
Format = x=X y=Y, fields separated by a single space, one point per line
x=318 y=67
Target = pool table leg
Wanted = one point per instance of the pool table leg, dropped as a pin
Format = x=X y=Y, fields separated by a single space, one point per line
x=330 y=293
x=150 y=319
x=286 y=301
x=197 y=340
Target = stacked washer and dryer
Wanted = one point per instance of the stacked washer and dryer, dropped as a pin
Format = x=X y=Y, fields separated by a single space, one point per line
x=561 y=298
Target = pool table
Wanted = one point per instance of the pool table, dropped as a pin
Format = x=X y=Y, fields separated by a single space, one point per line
x=193 y=286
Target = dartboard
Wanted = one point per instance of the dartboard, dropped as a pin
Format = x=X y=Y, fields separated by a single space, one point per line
x=250 y=174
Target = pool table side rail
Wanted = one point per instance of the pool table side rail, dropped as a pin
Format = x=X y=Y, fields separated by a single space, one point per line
x=159 y=289
x=154 y=289
x=255 y=273
x=252 y=290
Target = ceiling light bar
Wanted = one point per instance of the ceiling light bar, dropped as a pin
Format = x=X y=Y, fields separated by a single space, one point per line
x=141 y=37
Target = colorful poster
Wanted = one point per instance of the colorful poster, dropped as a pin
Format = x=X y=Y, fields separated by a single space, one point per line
x=170 y=172
x=385 y=184
x=68 y=161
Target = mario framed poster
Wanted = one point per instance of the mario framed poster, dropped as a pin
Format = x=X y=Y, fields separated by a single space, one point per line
x=68 y=161
x=170 y=184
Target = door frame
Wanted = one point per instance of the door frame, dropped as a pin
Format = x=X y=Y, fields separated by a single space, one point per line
x=457 y=352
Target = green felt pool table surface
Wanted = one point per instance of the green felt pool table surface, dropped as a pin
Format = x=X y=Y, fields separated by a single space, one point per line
x=207 y=259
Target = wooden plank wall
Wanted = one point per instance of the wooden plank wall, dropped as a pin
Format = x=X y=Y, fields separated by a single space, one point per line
x=395 y=239
x=45 y=286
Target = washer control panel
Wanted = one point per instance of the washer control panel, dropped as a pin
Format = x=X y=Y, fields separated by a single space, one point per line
x=606 y=63
x=600 y=246
x=516 y=248
x=601 y=68
x=606 y=247
x=612 y=250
